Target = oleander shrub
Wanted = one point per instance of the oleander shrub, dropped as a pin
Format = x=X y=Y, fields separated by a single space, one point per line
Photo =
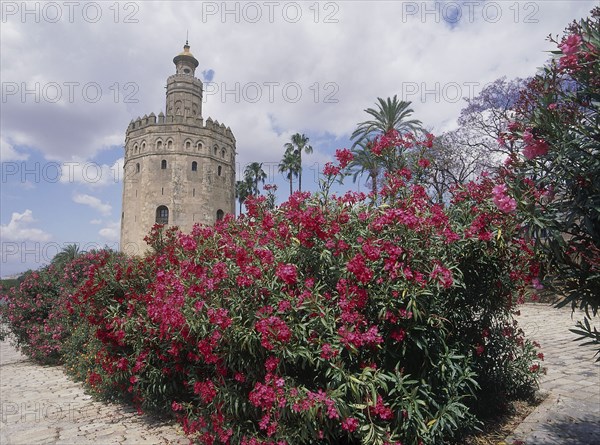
x=555 y=179
x=37 y=312
x=325 y=320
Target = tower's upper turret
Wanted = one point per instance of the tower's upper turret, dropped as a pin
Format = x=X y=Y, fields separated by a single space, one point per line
x=184 y=91
x=185 y=62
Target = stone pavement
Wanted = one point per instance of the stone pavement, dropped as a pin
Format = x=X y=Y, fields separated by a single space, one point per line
x=41 y=405
x=570 y=415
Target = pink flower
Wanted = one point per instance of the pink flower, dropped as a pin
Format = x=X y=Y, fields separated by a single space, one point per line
x=350 y=424
x=443 y=275
x=533 y=147
x=536 y=284
x=273 y=328
x=176 y=406
x=328 y=352
x=570 y=45
x=504 y=202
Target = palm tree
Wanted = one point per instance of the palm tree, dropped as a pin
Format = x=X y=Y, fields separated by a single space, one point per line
x=253 y=174
x=298 y=144
x=391 y=114
x=290 y=163
x=65 y=256
x=242 y=191
x=365 y=161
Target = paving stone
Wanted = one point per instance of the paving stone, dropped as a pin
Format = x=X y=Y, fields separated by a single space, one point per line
x=571 y=413
x=41 y=405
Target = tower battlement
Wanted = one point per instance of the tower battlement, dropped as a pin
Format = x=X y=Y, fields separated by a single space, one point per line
x=192 y=121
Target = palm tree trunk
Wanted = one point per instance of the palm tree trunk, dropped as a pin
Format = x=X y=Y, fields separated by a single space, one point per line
x=374 y=175
x=300 y=172
x=291 y=176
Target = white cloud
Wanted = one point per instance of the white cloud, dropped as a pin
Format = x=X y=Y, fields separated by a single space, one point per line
x=397 y=49
x=111 y=231
x=8 y=152
x=18 y=229
x=96 y=221
x=90 y=173
x=93 y=202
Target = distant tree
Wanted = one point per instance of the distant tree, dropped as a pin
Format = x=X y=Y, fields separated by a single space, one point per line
x=290 y=164
x=479 y=144
x=253 y=175
x=365 y=161
x=242 y=191
x=391 y=114
x=299 y=143
x=452 y=164
x=65 y=256
x=484 y=121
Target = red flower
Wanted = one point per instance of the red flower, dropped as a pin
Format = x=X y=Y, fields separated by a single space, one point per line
x=424 y=163
x=206 y=390
x=331 y=170
x=344 y=157
x=287 y=273
x=94 y=379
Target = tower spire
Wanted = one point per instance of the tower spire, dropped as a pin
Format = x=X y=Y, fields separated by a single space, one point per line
x=186 y=37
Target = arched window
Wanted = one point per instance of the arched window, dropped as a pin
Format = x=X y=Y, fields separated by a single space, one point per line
x=159 y=144
x=194 y=166
x=162 y=215
x=163 y=164
x=135 y=148
x=223 y=153
x=169 y=144
x=188 y=145
x=215 y=150
x=220 y=215
x=199 y=146
x=137 y=167
x=219 y=170
x=143 y=146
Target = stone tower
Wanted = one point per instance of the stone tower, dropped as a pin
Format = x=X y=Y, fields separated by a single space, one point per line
x=179 y=170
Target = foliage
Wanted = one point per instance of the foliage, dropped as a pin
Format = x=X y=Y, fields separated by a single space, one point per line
x=556 y=178
x=290 y=164
x=293 y=157
x=365 y=161
x=391 y=114
x=254 y=175
x=242 y=191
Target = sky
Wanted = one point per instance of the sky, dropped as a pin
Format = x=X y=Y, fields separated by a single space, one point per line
x=74 y=74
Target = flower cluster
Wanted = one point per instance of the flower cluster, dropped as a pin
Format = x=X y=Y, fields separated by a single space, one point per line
x=504 y=202
x=534 y=147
